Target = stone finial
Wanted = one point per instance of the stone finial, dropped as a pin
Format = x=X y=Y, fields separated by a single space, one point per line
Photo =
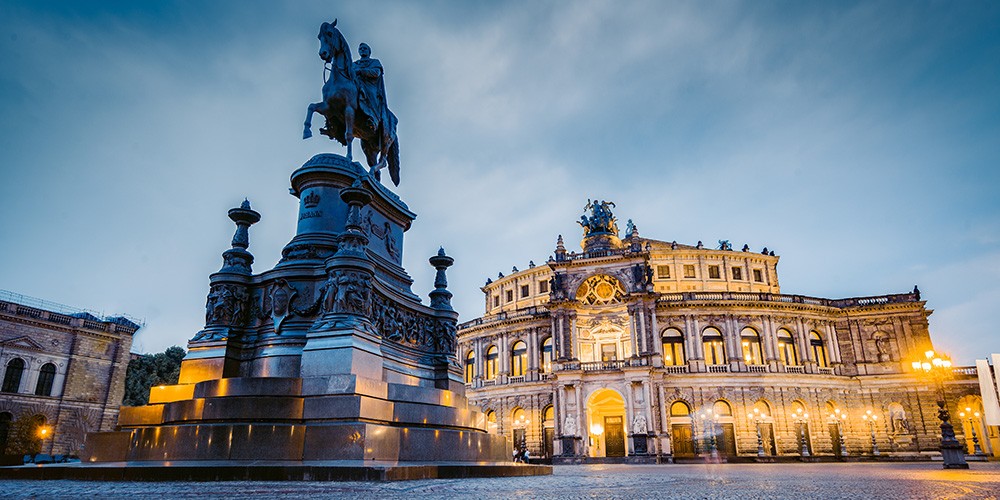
x=237 y=259
x=560 y=249
x=440 y=296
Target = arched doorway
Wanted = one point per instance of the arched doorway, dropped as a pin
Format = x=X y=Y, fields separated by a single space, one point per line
x=606 y=423
x=971 y=415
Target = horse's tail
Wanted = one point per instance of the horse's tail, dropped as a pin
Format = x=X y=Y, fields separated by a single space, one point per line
x=394 y=162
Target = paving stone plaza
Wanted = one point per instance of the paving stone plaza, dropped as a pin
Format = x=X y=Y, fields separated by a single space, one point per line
x=823 y=480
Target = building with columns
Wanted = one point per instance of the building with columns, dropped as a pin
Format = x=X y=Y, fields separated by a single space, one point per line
x=656 y=350
x=63 y=369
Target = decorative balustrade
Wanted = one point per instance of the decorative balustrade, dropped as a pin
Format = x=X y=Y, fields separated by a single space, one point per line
x=825 y=371
x=718 y=368
x=515 y=380
x=506 y=315
x=757 y=368
x=601 y=366
x=676 y=369
x=794 y=369
x=795 y=299
x=489 y=382
x=965 y=370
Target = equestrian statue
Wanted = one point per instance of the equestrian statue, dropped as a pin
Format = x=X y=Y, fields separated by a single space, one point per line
x=354 y=103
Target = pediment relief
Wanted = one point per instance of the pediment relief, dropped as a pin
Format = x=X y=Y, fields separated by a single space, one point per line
x=23 y=342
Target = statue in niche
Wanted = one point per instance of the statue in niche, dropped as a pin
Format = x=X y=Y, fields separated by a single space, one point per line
x=883 y=348
x=281 y=297
x=569 y=426
x=639 y=424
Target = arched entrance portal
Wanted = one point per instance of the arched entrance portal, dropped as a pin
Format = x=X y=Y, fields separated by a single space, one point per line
x=606 y=423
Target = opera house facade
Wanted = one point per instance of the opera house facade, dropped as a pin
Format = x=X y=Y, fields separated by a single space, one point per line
x=657 y=351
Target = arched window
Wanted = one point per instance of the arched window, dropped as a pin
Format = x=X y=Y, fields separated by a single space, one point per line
x=5 y=419
x=12 y=376
x=819 y=350
x=750 y=341
x=547 y=355
x=45 y=377
x=679 y=409
x=762 y=408
x=715 y=351
x=518 y=359
x=491 y=422
x=673 y=347
x=470 y=367
x=491 y=362
x=786 y=348
x=519 y=418
x=722 y=409
x=549 y=416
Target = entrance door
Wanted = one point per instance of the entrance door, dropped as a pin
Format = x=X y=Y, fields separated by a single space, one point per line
x=681 y=440
x=614 y=437
x=547 y=440
x=835 y=438
x=727 y=441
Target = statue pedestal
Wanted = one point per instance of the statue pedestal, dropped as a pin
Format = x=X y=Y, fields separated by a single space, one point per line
x=640 y=444
x=328 y=356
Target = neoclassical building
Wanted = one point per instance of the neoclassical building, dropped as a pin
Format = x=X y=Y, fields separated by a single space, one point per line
x=658 y=350
x=63 y=369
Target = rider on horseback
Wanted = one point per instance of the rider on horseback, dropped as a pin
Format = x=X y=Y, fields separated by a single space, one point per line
x=371 y=88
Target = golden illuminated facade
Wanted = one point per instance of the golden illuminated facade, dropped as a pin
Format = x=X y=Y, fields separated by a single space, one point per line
x=656 y=350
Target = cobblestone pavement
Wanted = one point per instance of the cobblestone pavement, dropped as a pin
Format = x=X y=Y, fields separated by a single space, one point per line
x=744 y=481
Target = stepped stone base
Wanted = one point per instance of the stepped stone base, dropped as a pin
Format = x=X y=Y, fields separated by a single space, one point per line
x=228 y=470
x=254 y=419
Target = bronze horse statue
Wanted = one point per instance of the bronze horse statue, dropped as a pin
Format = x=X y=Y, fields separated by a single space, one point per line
x=344 y=118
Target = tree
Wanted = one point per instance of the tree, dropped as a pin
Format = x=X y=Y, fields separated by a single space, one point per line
x=149 y=370
x=24 y=438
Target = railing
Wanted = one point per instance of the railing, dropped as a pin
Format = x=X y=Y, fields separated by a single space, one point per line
x=825 y=371
x=601 y=366
x=34 y=307
x=490 y=382
x=515 y=380
x=676 y=369
x=757 y=368
x=794 y=369
x=718 y=368
x=797 y=299
x=965 y=370
x=520 y=313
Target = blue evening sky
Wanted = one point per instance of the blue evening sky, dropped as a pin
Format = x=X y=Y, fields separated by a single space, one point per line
x=860 y=141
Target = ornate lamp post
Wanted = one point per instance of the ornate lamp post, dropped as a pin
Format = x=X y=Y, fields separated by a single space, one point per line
x=45 y=432
x=801 y=419
x=840 y=417
x=871 y=418
x=756 y=417
x=972 y=425
x=938 y=367
x=708 y=419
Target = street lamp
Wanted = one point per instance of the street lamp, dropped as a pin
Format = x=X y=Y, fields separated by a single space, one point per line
x=596 y=429
x=938 y=367
x=972 y=425
x=708 y=419
x=871 y=418
x=802 y=419
x=756 y=417
x=840 y=417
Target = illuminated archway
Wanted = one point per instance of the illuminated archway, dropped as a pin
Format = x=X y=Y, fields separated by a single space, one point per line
x=606 y=424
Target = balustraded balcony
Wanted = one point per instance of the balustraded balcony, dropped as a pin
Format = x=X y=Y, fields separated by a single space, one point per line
x=718 y=368
x=757 y=368
x=794 y=369
x=515 y=380
x=676 y=369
